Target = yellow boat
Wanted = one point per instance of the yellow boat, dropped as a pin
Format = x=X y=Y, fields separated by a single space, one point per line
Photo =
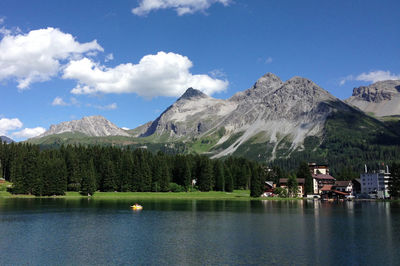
x=137 y=207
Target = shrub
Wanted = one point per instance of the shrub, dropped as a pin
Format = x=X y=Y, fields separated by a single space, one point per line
x=174 y=187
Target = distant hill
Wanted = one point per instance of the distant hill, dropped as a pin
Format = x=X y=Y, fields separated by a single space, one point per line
x=6 y=139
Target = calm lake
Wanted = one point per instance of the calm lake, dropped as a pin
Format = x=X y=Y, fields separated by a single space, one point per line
x=198 y=232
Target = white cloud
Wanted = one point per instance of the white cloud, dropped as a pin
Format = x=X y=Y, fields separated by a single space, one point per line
x=372 y=76
x=181 y=7
x=112 y=106
x=217 y=73
x=38 y=55
x=109 y=57
x=268 y=60
x=58 y=101
x=375 y=76
x=2 y=20
x=125 y=128
x=9 y=124
x=163 y=74
x=29 y=132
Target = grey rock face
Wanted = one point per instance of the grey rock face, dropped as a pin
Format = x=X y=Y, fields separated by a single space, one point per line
x=381 y=98
x=191 y=115
x=93 y=126
x=272 y=110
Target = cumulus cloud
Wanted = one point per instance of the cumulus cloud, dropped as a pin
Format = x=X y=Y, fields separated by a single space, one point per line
x=58 y=101
x=29 y=132
x=7 y=124
x=125 y=128
x=38 y=55
x=372 y=76
x=162 y=74
x=181 y=7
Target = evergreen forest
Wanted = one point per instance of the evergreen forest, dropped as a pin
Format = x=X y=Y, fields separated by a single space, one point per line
x=87 y=169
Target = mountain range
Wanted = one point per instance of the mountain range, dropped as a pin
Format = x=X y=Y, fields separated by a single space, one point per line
x=271 y=121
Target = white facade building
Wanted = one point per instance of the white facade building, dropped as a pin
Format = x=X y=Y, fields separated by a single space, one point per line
x=376 y=182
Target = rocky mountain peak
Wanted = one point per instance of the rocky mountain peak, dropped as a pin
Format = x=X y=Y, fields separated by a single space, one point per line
x=305 y=88
x=381 y=98
x=268 y=80
x=192 y=93
x=378 y=91
x=93 y=126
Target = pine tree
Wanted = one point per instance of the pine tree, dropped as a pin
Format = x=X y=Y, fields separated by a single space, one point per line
x=228 y=179
x=126 y=172
x=205 y=174
x=219 y=176
x=303 y=171
x=88 y=181
x=165 y=176
x=109 y=178
x=257 y=181
x=292 y=186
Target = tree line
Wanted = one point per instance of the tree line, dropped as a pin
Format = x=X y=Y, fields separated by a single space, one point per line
x=98 y=168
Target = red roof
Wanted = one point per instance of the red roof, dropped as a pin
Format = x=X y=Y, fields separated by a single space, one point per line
x=300 y=181
x=340 y=192
x=326 y=188
x=322 y=176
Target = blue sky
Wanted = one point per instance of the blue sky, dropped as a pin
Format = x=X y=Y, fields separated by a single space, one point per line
x=129 y=60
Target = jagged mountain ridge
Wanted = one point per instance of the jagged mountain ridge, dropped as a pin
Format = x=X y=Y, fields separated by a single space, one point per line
x=270 y=121
x=92 y=126
x=271 y=111
x=380 y=99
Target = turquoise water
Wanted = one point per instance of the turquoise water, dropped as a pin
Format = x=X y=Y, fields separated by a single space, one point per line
x=198 y=232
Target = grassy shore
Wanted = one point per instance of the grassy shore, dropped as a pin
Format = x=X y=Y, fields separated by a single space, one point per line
x=212 y=195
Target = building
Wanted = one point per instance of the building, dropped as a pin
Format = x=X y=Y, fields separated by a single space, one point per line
x=318 y=168
x=320 y=180
x=376 y=183
x=321 y=177
x=300 y=182
x=344 y=186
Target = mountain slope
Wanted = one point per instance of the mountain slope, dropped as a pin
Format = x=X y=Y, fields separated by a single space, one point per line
x=6 y=139
x=92 y=126
x=272 y=112
x=379 y=99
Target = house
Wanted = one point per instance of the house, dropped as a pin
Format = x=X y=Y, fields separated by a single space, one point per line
x=344 y=186
x=300 y=182
x=334 y=194
x=269 y=186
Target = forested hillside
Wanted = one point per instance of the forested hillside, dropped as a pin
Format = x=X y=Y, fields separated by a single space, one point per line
x=87 y=169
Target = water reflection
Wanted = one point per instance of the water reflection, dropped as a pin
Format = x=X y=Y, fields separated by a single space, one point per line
x=104 y=232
